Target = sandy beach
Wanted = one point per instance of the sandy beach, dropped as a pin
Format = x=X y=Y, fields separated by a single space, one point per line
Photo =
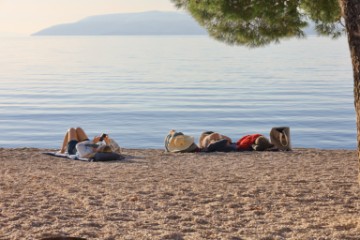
x=304 y=194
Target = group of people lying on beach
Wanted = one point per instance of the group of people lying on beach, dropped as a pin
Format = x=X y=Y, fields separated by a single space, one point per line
x=210 y=141
x=76 y=142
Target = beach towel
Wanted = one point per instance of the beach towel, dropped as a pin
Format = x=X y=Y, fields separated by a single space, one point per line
x=98 y=157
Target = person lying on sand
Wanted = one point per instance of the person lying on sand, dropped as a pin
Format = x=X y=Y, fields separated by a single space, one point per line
x=256 y=142
x=210 y=141
x=77 y=142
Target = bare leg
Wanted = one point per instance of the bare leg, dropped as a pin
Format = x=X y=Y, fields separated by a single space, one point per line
x=72 y=135
x=81 y=135
x=69 y=135
x=63 y=147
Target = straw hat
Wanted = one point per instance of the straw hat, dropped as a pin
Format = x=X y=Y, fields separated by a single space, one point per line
x=178 y=142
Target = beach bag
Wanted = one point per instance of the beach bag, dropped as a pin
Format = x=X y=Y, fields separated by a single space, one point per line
x=280 y=137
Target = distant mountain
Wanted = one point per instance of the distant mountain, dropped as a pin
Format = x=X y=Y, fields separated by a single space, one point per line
x=144 y=23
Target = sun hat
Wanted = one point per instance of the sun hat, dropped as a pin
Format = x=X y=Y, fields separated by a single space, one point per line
x=178 y=142
x=261 y=144
x=280 y=137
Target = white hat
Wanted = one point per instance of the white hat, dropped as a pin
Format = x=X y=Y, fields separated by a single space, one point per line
x=178 y=142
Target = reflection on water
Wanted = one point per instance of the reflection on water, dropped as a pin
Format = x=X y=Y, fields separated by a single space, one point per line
x=138 y=88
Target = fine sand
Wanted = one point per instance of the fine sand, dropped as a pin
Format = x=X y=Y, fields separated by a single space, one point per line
x=304 y=194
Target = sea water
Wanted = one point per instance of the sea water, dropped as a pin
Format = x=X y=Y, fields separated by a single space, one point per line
x=137 y=88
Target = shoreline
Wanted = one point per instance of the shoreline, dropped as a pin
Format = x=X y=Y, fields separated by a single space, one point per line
x=303 y=194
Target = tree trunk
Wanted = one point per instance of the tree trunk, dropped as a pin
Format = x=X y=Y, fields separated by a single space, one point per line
x=351 y=14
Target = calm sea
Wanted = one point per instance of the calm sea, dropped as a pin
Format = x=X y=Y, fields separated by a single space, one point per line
x=138 y=88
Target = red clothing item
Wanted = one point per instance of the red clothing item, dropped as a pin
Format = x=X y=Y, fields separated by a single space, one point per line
x=244 y=143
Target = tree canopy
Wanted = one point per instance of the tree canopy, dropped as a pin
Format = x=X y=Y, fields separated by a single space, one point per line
x=259 y=22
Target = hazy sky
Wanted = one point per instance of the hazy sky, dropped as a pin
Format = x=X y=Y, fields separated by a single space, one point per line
x=28 y=16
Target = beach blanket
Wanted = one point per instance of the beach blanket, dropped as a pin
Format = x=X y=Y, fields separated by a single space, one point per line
x=99 y=157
